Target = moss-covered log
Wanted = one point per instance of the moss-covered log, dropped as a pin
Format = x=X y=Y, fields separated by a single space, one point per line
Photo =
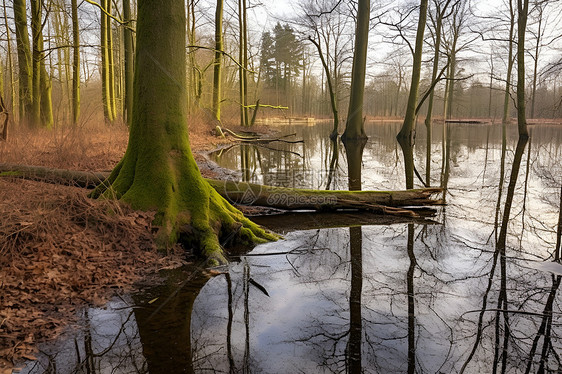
x=302 y=199
x=255 y=194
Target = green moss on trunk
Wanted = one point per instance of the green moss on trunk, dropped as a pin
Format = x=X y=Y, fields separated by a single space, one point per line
x=158 y=171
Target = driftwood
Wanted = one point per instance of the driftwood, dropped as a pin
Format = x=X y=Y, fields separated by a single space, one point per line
x=386 y=202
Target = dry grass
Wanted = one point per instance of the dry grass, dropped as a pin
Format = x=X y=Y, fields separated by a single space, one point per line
x=96 y=147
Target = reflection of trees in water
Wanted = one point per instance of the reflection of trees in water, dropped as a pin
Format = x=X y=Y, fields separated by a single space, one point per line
x=108 y=343
x=516 y=317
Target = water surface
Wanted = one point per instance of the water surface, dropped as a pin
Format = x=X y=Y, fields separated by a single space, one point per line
x=456 y=293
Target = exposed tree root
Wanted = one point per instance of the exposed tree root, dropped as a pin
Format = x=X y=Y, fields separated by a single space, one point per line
x=188 y=209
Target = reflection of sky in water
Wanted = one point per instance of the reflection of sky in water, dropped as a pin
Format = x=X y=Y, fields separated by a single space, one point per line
x=304 y=325
x=452 y=268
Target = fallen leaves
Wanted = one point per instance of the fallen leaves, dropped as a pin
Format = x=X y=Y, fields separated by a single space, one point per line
x=60 y=251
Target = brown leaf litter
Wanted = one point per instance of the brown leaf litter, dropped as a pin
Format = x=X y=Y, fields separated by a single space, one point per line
x=60 y=251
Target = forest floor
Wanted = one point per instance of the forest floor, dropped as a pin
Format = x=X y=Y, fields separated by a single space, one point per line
x=60 y=250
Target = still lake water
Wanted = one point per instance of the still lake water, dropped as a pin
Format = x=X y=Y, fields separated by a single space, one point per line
x=348 y=293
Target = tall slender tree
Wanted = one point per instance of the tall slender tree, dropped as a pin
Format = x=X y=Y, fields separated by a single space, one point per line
x=107 y=72
x=217 y=71
x=407 y=129
x=24 y=61
x=506 y=118
x=406 y=134
x=75 y=62
x=42 y=105
x=522 y=13
x=128 y=44
x=354 y=128
x=13 y=102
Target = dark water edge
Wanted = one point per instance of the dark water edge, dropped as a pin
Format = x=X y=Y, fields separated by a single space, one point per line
x=466 y=292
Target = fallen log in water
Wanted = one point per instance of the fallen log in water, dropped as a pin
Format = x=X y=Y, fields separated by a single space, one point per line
x=386 y=202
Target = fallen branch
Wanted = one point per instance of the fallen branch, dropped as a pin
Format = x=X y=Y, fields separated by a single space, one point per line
x=385 y=202
x=257 y=139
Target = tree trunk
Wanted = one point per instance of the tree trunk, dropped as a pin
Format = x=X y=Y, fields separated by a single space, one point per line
x=354 y=128
x=75 y=63
x=36 y=64
x=558 y=249
x=522 y=12
x=217 y=73
x=13 y=102
x=506 y=117
x=407 y=130
x=536 y=60
x=241 y=72
x=333 y=97
x=129 y=61
x=24 y=62
x=42 y=86
x=245 y=59
x=111 y=64
x=105 y=63
x=158 y=170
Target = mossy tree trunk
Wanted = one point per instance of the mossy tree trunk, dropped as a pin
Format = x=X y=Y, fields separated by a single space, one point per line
x=354 y=128
x=12 y=104
x=42 y=107
x=217 y=73
x=24 y=61
x=107 y=80
x=243 y=58
x=129 y=61
x=36 y=63
x=158 y=170
x=75 y=63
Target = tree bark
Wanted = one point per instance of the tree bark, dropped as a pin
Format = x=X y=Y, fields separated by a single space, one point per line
x=36 y=62
x=158 y=171
x=13 y=102
x=24 y=61
x=536 y=62
x=129 y=61
x=522 y=12
x=407 y=130
x=333 y=97
x=354 y=128
x=217 y=73
x=106 y=65
x=506 y=117
x=75 y=63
